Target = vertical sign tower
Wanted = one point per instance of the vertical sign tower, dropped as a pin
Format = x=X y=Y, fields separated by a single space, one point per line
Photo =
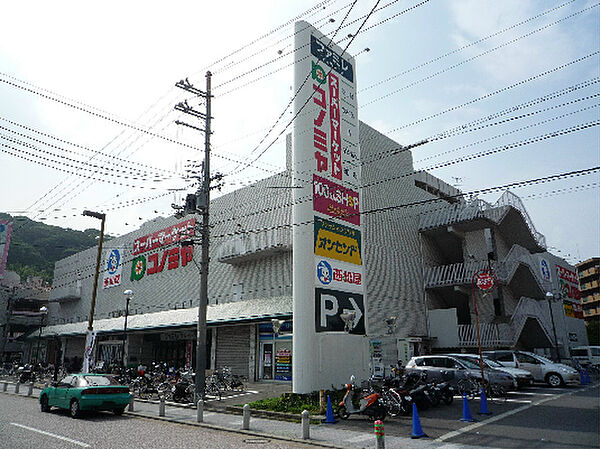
x=329 y=300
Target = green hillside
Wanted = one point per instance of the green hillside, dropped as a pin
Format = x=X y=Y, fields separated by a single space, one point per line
x=35 y=246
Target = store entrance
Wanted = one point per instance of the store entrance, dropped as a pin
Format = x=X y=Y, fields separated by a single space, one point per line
x=276 y=360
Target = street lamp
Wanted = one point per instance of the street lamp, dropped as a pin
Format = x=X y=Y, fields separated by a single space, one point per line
x=391 y=324
x=128 y=295
x=43 y=312
x=550 y=297
x=276 y=326
x=348 y=319
x=89 y=339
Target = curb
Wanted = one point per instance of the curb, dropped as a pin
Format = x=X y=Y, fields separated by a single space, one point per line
x=239 y=431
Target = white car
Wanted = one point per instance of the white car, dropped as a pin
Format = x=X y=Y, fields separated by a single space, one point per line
x=523 y=377
x=542 y=369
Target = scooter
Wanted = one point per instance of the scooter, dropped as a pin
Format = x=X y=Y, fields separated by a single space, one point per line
x=369 y=403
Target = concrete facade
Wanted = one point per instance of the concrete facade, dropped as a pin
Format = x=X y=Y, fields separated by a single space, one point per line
x=422 y=243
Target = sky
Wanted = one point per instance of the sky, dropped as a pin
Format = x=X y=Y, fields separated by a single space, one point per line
x=508 y=90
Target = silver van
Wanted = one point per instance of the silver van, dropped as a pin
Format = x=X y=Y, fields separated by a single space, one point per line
x=587 y=355
x=542 y=369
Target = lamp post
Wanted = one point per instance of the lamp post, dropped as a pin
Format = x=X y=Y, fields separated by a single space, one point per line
x=550 y=297
x=128 y=295
x=348 y=319
x=43 y=312
x=276 y=326
x=89 y=340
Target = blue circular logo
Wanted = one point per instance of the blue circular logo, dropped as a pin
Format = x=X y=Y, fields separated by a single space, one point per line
x=545 y=269
x=113 y=261
x=324 y=272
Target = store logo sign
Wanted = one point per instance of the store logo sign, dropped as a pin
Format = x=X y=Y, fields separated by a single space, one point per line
x=114 y=267
x=336 y=241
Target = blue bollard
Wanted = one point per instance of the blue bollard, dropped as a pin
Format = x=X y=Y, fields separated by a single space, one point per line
x=417 y=431
x=467 y=417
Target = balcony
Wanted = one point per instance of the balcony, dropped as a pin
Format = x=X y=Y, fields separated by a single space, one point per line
x=71 y=292
x=25 y=318
x=515 y=271
x=508 y=213
x=250 y=246
x=529 y=323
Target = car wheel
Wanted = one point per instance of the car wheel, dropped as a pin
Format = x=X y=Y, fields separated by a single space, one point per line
x=554 y=380
x=119 y=411
x=44 y=406
x=74 y=409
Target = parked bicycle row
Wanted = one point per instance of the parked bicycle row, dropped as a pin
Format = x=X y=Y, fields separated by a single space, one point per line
x=144 y=382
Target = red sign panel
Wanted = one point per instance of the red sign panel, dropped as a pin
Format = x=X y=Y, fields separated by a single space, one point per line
x=167 y=236
x=334 y=200
x=569 y=283
x=485 y=280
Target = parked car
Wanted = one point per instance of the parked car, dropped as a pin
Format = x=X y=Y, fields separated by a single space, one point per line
x=542 y=369
x=587 y=355
x=448 y=368
x=523 y=377
x=78 y=392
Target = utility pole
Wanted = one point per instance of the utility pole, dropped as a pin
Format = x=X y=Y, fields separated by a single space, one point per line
x=90 y=341
x=6 y=326
x=202 y=202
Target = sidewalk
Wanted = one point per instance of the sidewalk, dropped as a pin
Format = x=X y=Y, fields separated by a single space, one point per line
x=215 y=417
x=323 y=435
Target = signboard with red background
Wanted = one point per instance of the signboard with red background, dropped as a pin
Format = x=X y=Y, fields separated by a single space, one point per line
x=569 y=291
x=171 y=257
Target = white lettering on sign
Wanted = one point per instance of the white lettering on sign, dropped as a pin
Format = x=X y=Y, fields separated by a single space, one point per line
x=328 y=311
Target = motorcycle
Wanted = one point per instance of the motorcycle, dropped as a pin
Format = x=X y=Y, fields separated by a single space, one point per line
x=370 y=403
x=183 y=390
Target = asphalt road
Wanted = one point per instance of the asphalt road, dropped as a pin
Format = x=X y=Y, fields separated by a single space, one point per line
x=23 y=426
x=535 y=417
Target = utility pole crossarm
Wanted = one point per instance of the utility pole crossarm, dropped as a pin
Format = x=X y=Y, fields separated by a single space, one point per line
x=202 y=197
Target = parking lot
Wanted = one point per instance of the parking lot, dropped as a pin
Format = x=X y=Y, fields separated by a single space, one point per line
x=537 y=416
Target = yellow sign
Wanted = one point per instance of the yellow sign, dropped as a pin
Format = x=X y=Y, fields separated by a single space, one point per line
x=337 y=241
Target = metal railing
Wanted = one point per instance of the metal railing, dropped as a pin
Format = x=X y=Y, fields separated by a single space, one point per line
x=477 y=208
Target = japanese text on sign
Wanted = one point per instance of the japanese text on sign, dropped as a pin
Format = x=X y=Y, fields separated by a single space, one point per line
x=331 y=58
x=172 y=234
x=334 y=200
x=337 y=241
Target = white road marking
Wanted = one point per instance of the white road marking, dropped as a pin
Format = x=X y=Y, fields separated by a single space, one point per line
x=476 y=425
x=53 y=435
x=530 y=393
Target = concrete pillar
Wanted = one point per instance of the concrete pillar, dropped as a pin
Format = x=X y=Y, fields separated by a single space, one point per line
x=305 y=425
x=17 y=388
x=30 y=390
x=200 y=411
x=161 y=406
x=246 y=417
x=131 y=404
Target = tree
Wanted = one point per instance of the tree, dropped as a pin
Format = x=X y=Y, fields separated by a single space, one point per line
x=593 y=331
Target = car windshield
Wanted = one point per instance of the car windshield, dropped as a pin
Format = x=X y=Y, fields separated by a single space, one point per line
x=542 y=358
x=469 y=363
x=493 y=363
x=95 y=381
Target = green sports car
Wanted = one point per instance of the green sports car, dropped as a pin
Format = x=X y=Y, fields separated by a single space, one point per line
x=78 y=392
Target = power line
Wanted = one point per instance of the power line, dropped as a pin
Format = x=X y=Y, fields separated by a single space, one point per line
x=472 y=58
x=464 y=47
x=512 y=185
x=498 y=91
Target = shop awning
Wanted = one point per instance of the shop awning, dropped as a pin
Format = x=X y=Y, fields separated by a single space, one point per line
x=232 y=312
